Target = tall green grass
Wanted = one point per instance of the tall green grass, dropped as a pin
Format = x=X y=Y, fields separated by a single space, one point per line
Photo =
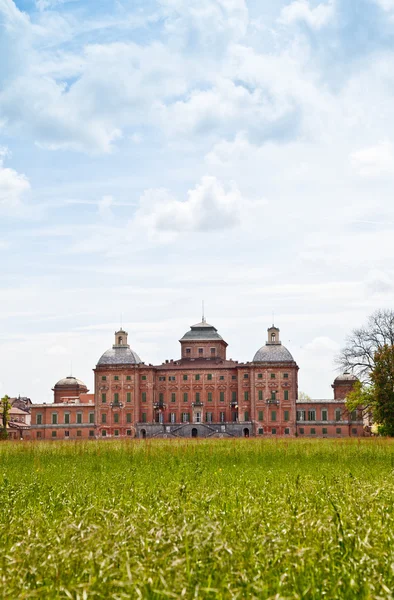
x=204 y=519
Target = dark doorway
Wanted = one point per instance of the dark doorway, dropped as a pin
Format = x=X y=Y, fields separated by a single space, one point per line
x=194 y=432
x=143 y=433
x=246 y=432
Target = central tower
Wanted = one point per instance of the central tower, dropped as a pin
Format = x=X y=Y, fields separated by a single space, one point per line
x=203 y=342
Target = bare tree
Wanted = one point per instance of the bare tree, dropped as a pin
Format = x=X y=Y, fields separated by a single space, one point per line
x=358 y=355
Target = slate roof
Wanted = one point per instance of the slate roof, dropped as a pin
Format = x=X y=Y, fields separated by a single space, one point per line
x=202 y=332
x=70 y=382
x=273 y=353
x=119 y=355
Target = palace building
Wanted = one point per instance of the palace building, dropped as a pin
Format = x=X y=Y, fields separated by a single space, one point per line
x=202 y=394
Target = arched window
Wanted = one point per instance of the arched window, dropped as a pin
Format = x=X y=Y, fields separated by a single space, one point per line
x=273 y=337
x=120 y=340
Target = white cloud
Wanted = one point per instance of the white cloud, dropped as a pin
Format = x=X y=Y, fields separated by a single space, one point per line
x=13 y=186
x=374 y=160
x=105 y=207
x=208 y=207
x=315 y=18
x=387 y=5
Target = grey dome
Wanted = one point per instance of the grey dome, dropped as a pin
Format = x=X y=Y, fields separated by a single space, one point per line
x=119 y=355
x=345 y=377
x=70 y=382
x=273 y=353
x=201 y=332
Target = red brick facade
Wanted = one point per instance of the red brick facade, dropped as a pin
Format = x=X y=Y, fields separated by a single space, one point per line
x=202 y=394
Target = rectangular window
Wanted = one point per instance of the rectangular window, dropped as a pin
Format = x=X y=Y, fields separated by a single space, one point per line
x=198 y=417
x=208 y=417
x=209 y=396
x=91 y=433
x=128 y=417
x=260 y=431
x=103 y=378
x=91 y=417
x=172 y=417
x=313 y=431
x=39 y=419
x=161 y=378
x=171 y=378
x=116 y=398
x=324 y=414
x=104 y=433
x=185 y=417
x=301 y=415
x=233 y=396
x=246 y=375
x=143 y=416
x=260 y=396
x=221 y=377
x=67 y=418
x=286 y=395
x=213 y=351
x=273 y=395
x=188 y=350
x=273 y=431
x=185 y=397
x=324 y=430
x=128 y=432
x=311 y=415
x=198 y=397
x=354 y=431
x=209 y=376
x=79 y=418
x=273 y=415
x=128 y=377
x=103 y=398
x=233 y=377
x=246 y=396
x=197 y=378
x=116 y=432
x=338 y=414
x=103 y=418
x=338 y=431
x=261 y=415
x=116 y=377
x=116 y=418
x=223 y=417
x=201 y=351
x=221 y=396
x=79 y=433
x=66 y=434
x=272 y=375
x=128 y=397
x=185 y=378
x=54 y=434
x=301 y=430
x=143 y=377
x=161 y=398
x=287 y=431
x=259 y=376
x=143 y=396
x=285 y=375
x=54 y=418
x=286 y=415
x=173 y=397
x=246 y=415
x=353 y=415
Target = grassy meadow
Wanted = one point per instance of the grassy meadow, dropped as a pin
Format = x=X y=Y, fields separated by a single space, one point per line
x=197 y=519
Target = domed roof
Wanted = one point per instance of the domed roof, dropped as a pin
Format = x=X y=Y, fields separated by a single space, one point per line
x=202 y=332
x=273 y=353
x=345 y=377
x=70 y=382
x=119 y=355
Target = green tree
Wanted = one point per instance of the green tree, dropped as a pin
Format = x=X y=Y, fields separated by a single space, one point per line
x=382 y=378
x=5 y=407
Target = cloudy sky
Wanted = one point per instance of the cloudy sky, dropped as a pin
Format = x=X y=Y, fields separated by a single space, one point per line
x=154 y=153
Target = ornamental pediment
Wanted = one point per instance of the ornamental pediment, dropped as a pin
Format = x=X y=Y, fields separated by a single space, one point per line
x=222 y=387
x=173 y=388
x=197 y=387
x=210 y=387
x=116 y=386
x=185 y=387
